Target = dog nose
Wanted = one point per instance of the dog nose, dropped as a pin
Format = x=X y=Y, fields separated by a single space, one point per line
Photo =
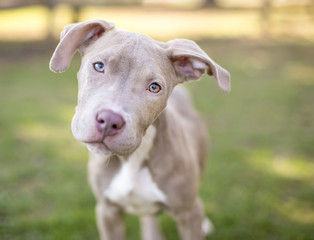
x=109 y=123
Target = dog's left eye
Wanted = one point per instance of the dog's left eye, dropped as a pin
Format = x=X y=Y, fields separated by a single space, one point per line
x=99 y=67
x=154 y=88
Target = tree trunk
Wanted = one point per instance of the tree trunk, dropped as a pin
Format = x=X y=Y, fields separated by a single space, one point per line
x=210 y=3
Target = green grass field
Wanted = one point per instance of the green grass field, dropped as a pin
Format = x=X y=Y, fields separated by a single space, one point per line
x=259 y=181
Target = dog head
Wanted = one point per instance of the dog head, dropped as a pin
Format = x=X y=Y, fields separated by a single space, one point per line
x=125 y=80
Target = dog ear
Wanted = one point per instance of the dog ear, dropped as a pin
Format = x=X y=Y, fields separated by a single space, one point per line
x=72 y=38
x=191 y=62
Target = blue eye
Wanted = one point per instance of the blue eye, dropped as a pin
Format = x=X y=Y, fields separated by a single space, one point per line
x=99 y=66
x=154 y=88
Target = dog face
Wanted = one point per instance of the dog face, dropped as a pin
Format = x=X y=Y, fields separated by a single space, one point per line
x=125 y=80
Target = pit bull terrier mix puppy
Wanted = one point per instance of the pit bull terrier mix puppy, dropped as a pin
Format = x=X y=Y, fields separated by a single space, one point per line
x=147 y=144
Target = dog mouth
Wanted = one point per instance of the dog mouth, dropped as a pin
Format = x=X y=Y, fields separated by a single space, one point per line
x=109 y=146
x=123 y=142
x=98 y=147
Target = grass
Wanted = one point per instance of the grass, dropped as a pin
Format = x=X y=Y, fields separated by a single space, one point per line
x=259 y=179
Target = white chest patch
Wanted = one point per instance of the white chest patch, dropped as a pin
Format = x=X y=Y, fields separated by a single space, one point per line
x=133 y=187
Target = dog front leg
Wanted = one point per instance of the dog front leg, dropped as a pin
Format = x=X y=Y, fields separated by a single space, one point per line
x=190 y=222
x=110 y=222
x=150 y=229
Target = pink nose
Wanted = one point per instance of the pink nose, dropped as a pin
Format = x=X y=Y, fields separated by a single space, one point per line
x=109 y=123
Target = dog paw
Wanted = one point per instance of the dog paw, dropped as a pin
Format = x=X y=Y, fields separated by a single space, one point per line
x=207 y=227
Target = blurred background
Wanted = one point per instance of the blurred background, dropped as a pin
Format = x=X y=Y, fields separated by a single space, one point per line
x=259 y=181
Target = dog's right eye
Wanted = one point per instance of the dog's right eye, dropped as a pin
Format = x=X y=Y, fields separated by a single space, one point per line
x=99 y=66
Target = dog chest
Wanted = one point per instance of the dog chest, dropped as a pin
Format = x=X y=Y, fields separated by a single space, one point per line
x=133 y=188
x=135 y=192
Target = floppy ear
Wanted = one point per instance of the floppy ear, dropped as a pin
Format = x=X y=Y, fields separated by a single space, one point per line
x=72 y=37
x=190 y=62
